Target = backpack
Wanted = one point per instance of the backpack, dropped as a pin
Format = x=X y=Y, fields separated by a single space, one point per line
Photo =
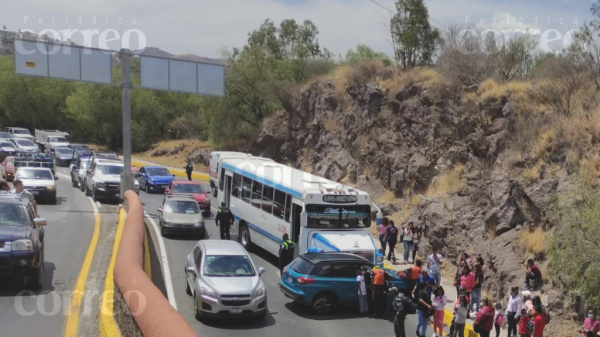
x=500 y=320
x=530 y=326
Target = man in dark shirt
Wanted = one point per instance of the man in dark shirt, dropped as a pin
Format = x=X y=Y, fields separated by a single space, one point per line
x=424 y=279
x=424 y=307
x=532 y=273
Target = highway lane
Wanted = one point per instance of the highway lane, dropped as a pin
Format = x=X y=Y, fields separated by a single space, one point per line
x=285 y=318
x=67 y=237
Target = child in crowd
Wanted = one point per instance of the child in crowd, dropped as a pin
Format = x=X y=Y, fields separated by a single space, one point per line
x=523 y=323
x=439 y=301
x=498 y=319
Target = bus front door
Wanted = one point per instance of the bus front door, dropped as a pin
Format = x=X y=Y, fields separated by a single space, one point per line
x=296 y=227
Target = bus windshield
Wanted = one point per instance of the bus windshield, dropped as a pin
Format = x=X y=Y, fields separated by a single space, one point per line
x=338 y=216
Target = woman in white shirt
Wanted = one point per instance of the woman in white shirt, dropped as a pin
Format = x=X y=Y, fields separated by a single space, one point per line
x=408 y=241
x=362 y=291
x=513 y=311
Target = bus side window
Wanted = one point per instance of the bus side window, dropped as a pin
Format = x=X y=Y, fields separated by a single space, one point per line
x=288 y=207
x=237 y=185
x=222 y=180
x=256 y=200
x=246 y=189
x=279 y=204
x=267 y=199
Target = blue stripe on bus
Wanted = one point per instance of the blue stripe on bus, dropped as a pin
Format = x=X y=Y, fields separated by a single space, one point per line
x=324 y=241
x=260 y=230
x=263 y=180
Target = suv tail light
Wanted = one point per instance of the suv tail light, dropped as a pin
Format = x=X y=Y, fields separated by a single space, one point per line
x=305 y=280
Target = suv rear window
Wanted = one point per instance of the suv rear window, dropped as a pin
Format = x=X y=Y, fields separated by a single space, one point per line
x=301 y=266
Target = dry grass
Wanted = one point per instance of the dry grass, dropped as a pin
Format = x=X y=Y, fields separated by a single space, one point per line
x=545 y=143
x=517 y=90
x=98 y=147
x=388 y=196
x=330 y=125
x=534 y=241
x=368 y=171
x=589 y=169
x=448 y=183
x=176 y=160
x=532 y=174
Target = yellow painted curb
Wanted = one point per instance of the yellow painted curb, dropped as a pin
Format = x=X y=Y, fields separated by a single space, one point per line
x=108 y=326
x=147 y=265
x=448 y=315
x=72 y=321
x=177 y=172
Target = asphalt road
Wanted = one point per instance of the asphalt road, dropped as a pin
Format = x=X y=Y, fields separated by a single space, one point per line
x=285 y=318
x=67 y=237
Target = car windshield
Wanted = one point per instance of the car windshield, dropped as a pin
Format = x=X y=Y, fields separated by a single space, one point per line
x=108 y=155
x=7 y=144
x=13 y=215
x=228 y=266
x=182 y=207
x=20 y=132
x=58 y=140
x=64 y=151
x=34 y=174
x=25 y=142
x=160 y=171
x=187 y=188
x=4 y=135
x=111 y=169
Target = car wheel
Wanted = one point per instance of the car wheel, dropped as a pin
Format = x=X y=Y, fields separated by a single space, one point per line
x=35 y=279
x=323 y=304
x=244 y=237
x=94 y=195
x=87 y=192
x=81 y=186
x=53 y=200
x=197 y=312
x=146 y=188
x=73 y=182
x=188 y=290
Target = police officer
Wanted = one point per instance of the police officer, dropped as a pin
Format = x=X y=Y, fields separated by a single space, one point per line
x=224 y=220
x=188 y=169
x=286 y=253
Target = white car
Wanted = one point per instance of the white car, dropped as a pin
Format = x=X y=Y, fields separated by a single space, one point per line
x=25 y=145
x=39 y=181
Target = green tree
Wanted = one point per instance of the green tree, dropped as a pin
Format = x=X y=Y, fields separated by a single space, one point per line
x=575 y=243
x=414 y=38
x=363 y=52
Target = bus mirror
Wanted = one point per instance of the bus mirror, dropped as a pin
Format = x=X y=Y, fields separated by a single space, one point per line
x=303 y=219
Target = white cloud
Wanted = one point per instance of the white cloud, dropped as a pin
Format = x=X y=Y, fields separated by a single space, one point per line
x=206 y=26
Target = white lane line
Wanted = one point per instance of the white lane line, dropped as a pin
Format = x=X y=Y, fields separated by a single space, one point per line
x=98 y=203
x=63 y=175
x=165 y=262
x=93 y=205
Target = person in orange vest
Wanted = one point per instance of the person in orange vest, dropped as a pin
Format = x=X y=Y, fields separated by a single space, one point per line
x=378 y=280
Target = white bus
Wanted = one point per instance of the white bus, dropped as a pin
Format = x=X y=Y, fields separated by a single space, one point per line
x=269 y=199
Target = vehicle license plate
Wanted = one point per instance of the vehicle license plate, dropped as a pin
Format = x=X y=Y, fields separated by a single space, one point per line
x=235 y=311
x=290 y=279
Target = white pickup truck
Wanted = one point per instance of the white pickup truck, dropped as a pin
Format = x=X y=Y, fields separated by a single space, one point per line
x=48 y=139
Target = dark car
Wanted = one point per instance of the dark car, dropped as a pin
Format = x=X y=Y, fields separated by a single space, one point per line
x=21 y=241
x=324 y=280
x=62 y=156
x=76 y=146
x=7 y=149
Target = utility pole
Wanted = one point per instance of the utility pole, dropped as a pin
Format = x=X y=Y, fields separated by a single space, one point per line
x=127 y=181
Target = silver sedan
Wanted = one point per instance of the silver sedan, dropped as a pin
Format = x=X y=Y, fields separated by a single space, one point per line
x=223 y=281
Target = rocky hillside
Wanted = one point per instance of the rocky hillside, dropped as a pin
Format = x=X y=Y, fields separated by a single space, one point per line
x=448 y=158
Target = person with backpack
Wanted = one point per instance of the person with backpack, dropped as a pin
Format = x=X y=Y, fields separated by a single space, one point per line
x=484 y=323
x=539 y=320
x=461 y=307
x=385 y=223
x=391 y=236
x=523 y=323
x=403 y=306
x=498 y=319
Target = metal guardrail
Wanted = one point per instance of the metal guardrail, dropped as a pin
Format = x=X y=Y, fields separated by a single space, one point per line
x=149 y=307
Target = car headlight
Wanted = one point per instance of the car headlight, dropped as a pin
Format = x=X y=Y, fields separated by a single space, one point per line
x=259 y=292
x=22 y=245
x=50 y=188
x=99 y=184
x=207 y=292
x=169 y=223
x=199 y=224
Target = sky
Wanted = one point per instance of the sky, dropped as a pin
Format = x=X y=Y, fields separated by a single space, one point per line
x=206 y=27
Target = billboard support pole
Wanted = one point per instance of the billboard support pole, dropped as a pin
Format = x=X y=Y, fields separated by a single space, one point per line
x=127 y=183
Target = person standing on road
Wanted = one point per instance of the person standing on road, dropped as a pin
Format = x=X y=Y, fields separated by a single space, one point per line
x=498 y=319
x=424 y=279
x=476 y=295
x=362 y=290
x=439 y=302
x=407 y=241
x=461 y=307
x=424 y=308
x=513 y=309
x=485 y=318
x=434 y=264
x=286 y=253
x=188 y=169
x=523 y=332
x=391 y=236
x=539 y=320
x=224 y=220
x=467 y=281
x=20 y=190
x=385 y=223
x=403 y=305
x=417 y=232
x=378 y=279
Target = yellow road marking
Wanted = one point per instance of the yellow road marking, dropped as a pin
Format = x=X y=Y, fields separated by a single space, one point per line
x=72 y=322
x=180 y=173
x=108 y=326
x=147 y=265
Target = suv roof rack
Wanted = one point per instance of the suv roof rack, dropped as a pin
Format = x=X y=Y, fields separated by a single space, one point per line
x=184 y=196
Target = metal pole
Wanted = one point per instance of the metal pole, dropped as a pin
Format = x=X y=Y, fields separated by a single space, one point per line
x=127 y=182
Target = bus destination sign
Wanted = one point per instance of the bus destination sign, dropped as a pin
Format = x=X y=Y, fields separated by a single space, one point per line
x=340 y=198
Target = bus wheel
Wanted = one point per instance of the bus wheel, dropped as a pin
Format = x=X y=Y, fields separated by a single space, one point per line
x=244 y=236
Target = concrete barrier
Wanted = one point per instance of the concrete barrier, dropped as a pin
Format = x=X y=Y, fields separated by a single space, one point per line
x=178 y=172
x=146 y=303
x=448 y=315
